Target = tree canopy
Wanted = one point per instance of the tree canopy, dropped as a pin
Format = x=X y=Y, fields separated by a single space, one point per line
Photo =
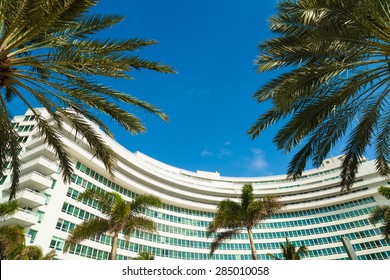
x=51 y=54
x=232 y=217
x=334 y=85
x=120 y=216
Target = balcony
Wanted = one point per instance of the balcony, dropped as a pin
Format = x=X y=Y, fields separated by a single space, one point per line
x=23 y=217
x=42 y=150
x=29 y=198
x=35 y=180
x=39 y=164
x=35 y=142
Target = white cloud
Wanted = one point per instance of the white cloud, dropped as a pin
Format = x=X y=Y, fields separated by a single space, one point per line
x=206 y=153
x=258 y=162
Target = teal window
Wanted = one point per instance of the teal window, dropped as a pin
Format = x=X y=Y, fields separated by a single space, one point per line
x=2 y=180
x=40 y=214
x=33 y=234
x=48 y=196
x=57 y=243
x=82 y=168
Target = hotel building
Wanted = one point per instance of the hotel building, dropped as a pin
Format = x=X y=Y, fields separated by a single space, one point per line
x=316 y=213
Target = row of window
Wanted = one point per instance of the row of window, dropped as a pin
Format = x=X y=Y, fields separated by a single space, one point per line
x=280 y=181
x=313 y=221
x=22 y=139
x=24 y=128
x=64 y=225
x=91 y=173
x=29 y=118
x=153 y=213
x=376 y=256
x=369 y=245
x=149 y=212
x=82 y=250
x=74 y=194
x=76 y=212
x=335 y=207
x=166 y=228
x=83 y=168
x=88 y=252
x=104 y=239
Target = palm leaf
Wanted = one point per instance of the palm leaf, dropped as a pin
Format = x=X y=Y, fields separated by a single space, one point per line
x=337 y=59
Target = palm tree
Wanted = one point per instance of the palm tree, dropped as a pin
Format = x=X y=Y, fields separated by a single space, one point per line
x=290 y=252
x=144 y=256
x=382 y=214
x=24 y=252
x=336 y=55
x=55 y=63
x=120 y=216
x=234 y=216
x=11 y=236
x=12 y=239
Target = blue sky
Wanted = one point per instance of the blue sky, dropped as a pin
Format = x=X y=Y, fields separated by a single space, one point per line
x=212 y=44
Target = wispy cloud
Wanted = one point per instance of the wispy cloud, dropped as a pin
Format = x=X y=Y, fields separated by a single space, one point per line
x=206 y=153
x=220 y=153
x=257 y=162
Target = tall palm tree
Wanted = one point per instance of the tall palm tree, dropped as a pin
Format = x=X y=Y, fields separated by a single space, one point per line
x=234 y=216
x=51 y=55
x=290 y=252
x=335 y=85
x=11 y=236
x=119 y=216
x=382 y=214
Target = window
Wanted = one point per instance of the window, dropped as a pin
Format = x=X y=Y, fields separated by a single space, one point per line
x=40 y=214
x=53 y=183
x=2 y=180
x=22 y=139
x=57 y=243
x=33 y=234
x=48 y=196
x=29 y=118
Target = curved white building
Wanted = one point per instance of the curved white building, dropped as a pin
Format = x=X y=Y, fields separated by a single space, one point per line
x=316 y=214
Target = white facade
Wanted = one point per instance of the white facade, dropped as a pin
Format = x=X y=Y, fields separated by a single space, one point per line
x=316 y=214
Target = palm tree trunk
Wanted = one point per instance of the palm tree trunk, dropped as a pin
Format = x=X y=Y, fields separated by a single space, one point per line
x=252 y=242
x=114 y=247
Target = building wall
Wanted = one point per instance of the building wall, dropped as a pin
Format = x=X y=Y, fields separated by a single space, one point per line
x=316 y=214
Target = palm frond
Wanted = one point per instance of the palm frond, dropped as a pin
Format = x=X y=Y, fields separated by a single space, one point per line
x=8 y=208
x=232 y=217
x=144 y=201
x=336 y=55
x=57 y=61
x=85 y=230
x=221 y=237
